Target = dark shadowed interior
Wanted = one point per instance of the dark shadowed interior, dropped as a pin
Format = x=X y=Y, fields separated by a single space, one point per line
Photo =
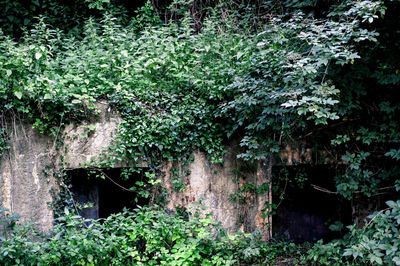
x=305 y=213
x=104 y=196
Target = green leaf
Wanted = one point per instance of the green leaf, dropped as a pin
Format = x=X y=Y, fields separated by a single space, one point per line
x=124 y=53
x=18 y=94
x=391 y=203
x=76 y=101
x=38 y=55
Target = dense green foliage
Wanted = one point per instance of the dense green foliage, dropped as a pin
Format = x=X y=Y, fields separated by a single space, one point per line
x=67 y=15
x=187 y=75
x=144 y=236
x=377 y=243
x=179 y=89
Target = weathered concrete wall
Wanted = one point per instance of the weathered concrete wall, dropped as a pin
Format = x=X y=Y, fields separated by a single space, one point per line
x=215 y=186
x=24 y=177
x=26 y=169
x=81 y=144
x=209 y=185
x=300 y=153
x=26 y=174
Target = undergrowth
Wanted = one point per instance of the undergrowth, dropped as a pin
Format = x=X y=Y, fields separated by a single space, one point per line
x=376 y=243
x=143 y=236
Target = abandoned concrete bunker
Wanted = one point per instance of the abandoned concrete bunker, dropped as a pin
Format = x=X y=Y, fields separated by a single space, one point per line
x=29 y=185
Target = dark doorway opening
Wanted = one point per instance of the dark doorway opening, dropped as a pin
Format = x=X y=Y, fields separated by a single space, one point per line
x=306 y=213
x=98 y=197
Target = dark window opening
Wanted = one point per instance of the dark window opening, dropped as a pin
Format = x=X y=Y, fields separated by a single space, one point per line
x=305 y=213
x=98 y=197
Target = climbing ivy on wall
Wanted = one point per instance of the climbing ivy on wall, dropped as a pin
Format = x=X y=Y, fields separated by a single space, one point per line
x=189 y=75
x=190 y=82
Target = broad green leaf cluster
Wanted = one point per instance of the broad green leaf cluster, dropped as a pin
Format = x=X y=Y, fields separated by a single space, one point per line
x=144 y=236
x=377 y=243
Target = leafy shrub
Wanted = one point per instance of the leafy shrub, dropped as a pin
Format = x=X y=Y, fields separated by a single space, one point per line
x=378 y=242
x=145 y=235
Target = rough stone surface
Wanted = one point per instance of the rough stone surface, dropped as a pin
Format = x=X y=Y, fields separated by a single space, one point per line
x=263 y=219
x=299 y=152
x=85 y=142
x=26 y=175
x=227 y=191
x=26 y=169
x=214 y=187
x=25 y=181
